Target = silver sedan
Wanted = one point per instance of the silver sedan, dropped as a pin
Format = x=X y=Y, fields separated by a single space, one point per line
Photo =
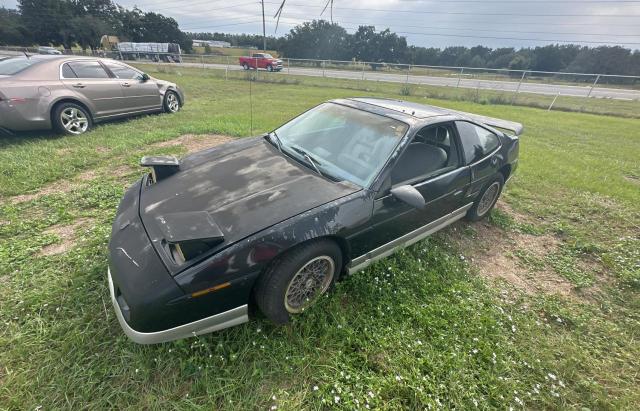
x=70 y=94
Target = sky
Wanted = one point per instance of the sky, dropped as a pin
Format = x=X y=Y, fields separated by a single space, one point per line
x=429 y=23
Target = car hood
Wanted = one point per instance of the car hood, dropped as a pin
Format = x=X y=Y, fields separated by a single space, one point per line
x=245 y=187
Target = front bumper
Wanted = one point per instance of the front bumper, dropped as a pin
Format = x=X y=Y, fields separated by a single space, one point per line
x=213 y=323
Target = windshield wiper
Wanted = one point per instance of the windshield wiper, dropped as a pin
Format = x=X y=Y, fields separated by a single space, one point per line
x=277 y=140
x=310 y=160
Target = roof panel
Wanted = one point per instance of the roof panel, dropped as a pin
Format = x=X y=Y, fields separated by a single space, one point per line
x=412 y=109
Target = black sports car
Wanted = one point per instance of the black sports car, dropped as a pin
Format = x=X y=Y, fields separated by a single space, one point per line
x=275 y=220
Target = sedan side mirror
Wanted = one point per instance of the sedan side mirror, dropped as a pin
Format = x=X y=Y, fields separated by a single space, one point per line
x=145 y=77
x=409 y=195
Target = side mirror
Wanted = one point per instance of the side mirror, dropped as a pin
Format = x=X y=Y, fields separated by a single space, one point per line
x=145 y=77
x=409 y=195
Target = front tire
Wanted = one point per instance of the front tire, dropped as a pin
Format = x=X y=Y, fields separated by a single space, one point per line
x=296 y=280
x=269 y=67
x=171 y=102
x=487 y=199
x=71 y=119
x=245 y=66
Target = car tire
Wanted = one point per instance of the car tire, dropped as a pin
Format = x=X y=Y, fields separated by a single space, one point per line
x=269 y=67
x=245 y=66
x=283 y=288
x=71 y=119
x=487 y=199
x=171 y=102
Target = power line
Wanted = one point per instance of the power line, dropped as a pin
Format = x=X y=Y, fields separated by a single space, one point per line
x=491 y=37
x=450 y=28
x=466 y=13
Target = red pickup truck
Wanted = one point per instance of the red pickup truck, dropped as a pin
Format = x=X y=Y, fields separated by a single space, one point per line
x=261 y=60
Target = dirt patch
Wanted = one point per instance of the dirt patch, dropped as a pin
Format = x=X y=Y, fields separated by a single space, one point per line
x=492 y=251
x=57 y=187
x=633 y=179
x=512 y=256
x=196 y=142
x=102 y=150
x=67 y=235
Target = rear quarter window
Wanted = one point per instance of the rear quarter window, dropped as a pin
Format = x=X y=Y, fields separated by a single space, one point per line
x=12 y=66
x=477 y=142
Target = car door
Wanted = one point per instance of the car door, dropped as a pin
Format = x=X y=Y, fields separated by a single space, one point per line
x=89 y=79
x=481 y=148
x=140 y=95
x=432 y=164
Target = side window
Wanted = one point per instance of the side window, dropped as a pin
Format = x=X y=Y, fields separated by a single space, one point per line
x=431 y=152
x=67 y=72
x=88 y=69
x=477 y=142
x=123 y=72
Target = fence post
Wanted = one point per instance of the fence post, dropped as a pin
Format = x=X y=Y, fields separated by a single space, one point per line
x=593 y=85
x=288 y=66
x=460 y=77
x=226 y=70
x=323 y=64
x=363 y=70
x=554 y=101
x=520 y=83
x=408 y=70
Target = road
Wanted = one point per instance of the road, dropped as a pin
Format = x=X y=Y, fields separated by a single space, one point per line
x=497 y=85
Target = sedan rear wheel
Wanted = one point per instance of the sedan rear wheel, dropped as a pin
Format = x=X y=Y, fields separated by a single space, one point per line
x=298 y=279
x=70 y=118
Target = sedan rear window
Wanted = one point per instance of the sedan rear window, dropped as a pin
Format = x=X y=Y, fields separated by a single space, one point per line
x=15 y=65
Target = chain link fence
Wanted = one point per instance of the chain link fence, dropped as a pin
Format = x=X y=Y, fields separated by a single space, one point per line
x=600 y=93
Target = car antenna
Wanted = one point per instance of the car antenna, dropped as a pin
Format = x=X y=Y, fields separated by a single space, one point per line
x=251 y=104
x=25 y=53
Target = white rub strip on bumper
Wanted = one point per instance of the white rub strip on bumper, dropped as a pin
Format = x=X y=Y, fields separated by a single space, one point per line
x=206 y=325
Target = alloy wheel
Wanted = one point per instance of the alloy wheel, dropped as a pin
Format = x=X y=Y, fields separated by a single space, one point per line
x=74 y=120
x=172 y=102
x=309 y=283
x=488 y=198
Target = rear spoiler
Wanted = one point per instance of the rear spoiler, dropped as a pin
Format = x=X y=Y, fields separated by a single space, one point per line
x=515 y=128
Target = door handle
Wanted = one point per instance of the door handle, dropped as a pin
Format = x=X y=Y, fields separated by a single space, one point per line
x=126 y=85
x=79 y=85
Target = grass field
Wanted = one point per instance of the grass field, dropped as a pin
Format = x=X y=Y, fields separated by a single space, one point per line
x=535 y=308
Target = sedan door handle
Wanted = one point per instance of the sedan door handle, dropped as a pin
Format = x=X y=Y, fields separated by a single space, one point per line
x=126 y=85
x=79 y=85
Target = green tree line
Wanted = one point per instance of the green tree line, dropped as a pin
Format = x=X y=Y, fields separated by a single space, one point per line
x=83 y=22
x=320 y=39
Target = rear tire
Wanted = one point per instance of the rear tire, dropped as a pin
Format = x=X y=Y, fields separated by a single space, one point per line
x=487 y=199
x=71 y=119
x=296 y=280
x=171 y=102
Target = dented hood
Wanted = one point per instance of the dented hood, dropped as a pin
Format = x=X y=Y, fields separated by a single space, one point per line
x=245 y=186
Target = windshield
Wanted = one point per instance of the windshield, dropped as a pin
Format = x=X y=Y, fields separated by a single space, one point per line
x=268 y=56
x=342 y=142
x=14 y=65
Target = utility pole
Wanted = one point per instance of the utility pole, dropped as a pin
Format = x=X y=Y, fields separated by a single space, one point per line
x=264 y=31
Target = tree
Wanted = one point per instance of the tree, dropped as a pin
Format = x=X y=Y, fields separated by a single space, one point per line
x=12 y=31
x=47 y=20
x=318 y=39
